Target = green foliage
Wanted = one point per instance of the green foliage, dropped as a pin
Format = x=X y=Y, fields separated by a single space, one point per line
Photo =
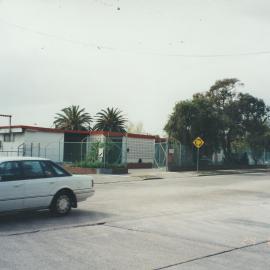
x=255 y=142
x=255 y=115
x=73 y=118
x=239 y=145
x=98 y=164
x=267 y=139
x=103 y=155
x=95 y=155
x=225 y=118
x=191 y=119
x=89 y=164
x=110 y=119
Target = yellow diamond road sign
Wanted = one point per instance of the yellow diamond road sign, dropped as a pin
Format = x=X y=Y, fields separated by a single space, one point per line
x=198 y=142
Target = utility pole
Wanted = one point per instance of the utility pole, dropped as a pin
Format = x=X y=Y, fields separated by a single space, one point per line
x=167 y=154
x=10 y=117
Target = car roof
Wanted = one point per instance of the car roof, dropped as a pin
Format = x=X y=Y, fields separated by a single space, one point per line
x=3 y=159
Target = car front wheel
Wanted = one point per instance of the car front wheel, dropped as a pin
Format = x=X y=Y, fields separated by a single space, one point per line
x=61 y=204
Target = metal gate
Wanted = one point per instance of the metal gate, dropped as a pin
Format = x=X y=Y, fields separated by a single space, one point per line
x=172 y=155
x=161 y=155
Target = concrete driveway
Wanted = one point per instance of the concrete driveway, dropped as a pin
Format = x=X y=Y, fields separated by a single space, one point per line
x=185 y=222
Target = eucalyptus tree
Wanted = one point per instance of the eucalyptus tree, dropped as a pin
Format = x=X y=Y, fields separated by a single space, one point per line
x=223 y=116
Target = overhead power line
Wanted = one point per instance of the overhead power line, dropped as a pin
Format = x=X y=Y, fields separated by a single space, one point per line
x=124 y=50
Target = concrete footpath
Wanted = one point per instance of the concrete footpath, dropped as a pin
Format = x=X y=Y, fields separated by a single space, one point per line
x=156 y=174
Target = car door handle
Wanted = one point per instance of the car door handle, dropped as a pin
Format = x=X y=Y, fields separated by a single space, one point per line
x=51 y=183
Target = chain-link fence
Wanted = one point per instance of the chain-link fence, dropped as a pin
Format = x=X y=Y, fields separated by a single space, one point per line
x=161 y=150
x=10 y=153
x=95 y=154
x=176 y=156
x=104 y=153
x=109 y=152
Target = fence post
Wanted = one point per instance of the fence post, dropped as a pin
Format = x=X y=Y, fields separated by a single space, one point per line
x=81 y=151
x=104 y=152
x=38 y=149
x=180 y=150
x=31 y=149
x=59 y=150
x=167 y=155
x=159 y=154
x=24 y=149
x=126 y=151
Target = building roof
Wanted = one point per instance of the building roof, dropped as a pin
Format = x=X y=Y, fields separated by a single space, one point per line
x=81 y=132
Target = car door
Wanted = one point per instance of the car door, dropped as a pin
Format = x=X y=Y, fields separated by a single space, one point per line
x=11 y=186
x=39 y=184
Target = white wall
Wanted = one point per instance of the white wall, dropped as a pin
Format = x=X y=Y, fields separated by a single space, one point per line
x=139 y=148
x=96 y=138
x=51 y=145
x=11 y=148
x=45 y=144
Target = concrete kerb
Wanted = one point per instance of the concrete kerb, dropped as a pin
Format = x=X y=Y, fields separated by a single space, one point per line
x=230 y=172
x=148 y=175
x=141 y=175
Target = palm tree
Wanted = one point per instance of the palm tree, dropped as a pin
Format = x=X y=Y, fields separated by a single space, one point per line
x=110 y=119
x=73 y=118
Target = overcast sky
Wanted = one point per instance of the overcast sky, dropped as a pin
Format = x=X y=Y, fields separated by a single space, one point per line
x=139 y=55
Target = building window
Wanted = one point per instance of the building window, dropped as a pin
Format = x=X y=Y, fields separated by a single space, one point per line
x=9 y=137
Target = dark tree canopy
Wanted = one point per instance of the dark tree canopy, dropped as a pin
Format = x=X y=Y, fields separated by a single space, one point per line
x=224 y=117
x=191 y=119
x=110 y=119
x=73 y=118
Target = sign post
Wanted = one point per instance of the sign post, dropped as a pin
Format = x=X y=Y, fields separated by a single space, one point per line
x=198 y=143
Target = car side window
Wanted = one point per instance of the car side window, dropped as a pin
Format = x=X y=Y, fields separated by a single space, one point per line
x=47 y=168
x=60 y=172
x=10 y=171
x=32 y=169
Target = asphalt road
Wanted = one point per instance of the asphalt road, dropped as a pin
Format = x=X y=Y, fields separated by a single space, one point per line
x=211 y=222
